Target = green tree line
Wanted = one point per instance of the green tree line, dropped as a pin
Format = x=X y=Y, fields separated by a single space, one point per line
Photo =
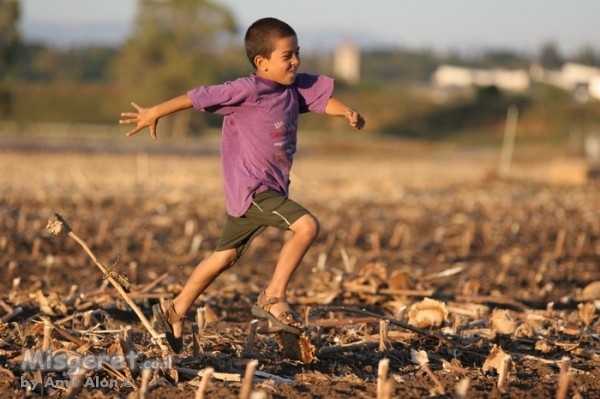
x=176 y=45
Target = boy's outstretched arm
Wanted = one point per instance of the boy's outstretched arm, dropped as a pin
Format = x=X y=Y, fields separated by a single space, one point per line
x=336 y=108
x=148 y=117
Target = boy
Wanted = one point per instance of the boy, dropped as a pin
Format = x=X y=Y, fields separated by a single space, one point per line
x=257 y=147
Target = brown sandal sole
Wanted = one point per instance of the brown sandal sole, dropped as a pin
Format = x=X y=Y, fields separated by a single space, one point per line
x=263 y=314
x=175 y=343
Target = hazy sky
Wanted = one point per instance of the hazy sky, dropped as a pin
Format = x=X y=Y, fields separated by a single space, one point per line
x=522 y=25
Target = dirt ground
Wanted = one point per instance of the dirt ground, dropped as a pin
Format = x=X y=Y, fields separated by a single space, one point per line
x=501 y=277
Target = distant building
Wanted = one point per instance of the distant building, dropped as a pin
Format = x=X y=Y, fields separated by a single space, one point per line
x=346 y=63
x=591 y=147
x=578 y=74
x=447 y=76
x=594 y=87
x=582 y=80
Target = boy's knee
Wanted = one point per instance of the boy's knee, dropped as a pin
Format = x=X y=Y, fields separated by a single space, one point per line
x=307 y=225
x=316 y=226
x=226 y=258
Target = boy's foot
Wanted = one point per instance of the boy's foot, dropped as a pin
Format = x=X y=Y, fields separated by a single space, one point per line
x=286 y=319
x=171 y=323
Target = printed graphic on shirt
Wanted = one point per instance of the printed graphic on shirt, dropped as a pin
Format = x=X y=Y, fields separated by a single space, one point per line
x=285 y=143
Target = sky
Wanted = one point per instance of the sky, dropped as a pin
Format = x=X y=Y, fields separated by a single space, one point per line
x=441 y=25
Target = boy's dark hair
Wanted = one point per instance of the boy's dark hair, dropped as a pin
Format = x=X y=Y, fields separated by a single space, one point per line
x=261 y=35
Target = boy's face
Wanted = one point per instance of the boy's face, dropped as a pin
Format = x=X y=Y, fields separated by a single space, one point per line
x=283 y=64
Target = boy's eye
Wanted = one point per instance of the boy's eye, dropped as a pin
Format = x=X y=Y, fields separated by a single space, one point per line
x=290 y=55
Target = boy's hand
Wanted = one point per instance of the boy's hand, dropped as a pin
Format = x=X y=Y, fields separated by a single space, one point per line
x=356 y=120
x=335 y=107
x=142 y=118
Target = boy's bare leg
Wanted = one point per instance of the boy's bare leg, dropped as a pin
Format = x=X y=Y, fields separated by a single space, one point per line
x=304 y=230
x=204 y=274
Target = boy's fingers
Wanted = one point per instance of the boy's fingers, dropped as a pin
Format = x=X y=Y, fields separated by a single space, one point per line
x=130 y=118
x=360 y=122
x=133 y=131
x=356 y=120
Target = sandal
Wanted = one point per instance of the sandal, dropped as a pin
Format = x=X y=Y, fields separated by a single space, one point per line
x=166 y=319
x=262 y=309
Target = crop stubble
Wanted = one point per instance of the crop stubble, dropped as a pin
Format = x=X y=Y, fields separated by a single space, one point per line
x=511 y=268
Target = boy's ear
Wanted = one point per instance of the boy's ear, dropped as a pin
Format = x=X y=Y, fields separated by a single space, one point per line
x=260 y=62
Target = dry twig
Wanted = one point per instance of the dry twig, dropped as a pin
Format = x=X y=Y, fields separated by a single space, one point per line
x=395 y=322
x=248 y=377
x=206 y=375
x=383 y=385
x=565 y=379
x=58 y=226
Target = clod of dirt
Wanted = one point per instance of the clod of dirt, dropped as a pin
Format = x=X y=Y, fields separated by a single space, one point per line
x=544 y=346
x=502 y=322
x=591 y=291
x=495 y=359
x=586 y=313
x=427 y=313
x=400 y=280
x=296 y=347
x=499 y=361
x=419 y=357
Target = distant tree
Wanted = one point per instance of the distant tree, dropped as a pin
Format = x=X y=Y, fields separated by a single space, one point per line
x=503 y=58
x=10 y=13
x=550 y=56
x=398 y=64
x=40 y=63
x=9 y=33
x=587 y=56
x=175 y=45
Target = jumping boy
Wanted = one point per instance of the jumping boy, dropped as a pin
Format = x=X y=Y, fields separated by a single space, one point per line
x=257 y=147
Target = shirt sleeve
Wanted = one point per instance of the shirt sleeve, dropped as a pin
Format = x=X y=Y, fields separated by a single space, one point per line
x=221 y=99
x=314 y=91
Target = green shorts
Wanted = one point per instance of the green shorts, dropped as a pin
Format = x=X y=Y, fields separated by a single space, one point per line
x=268 y=208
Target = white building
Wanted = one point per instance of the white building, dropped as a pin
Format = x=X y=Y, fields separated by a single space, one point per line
x=594 y=87
x=583 y=80
x=447 y=76
x=346 y=63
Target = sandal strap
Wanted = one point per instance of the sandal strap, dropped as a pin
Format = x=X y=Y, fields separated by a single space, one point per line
x=265 y=302
x=288 y=317
x=171 y=315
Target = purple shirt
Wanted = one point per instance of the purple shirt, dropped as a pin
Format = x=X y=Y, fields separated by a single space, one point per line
x=259 y=130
